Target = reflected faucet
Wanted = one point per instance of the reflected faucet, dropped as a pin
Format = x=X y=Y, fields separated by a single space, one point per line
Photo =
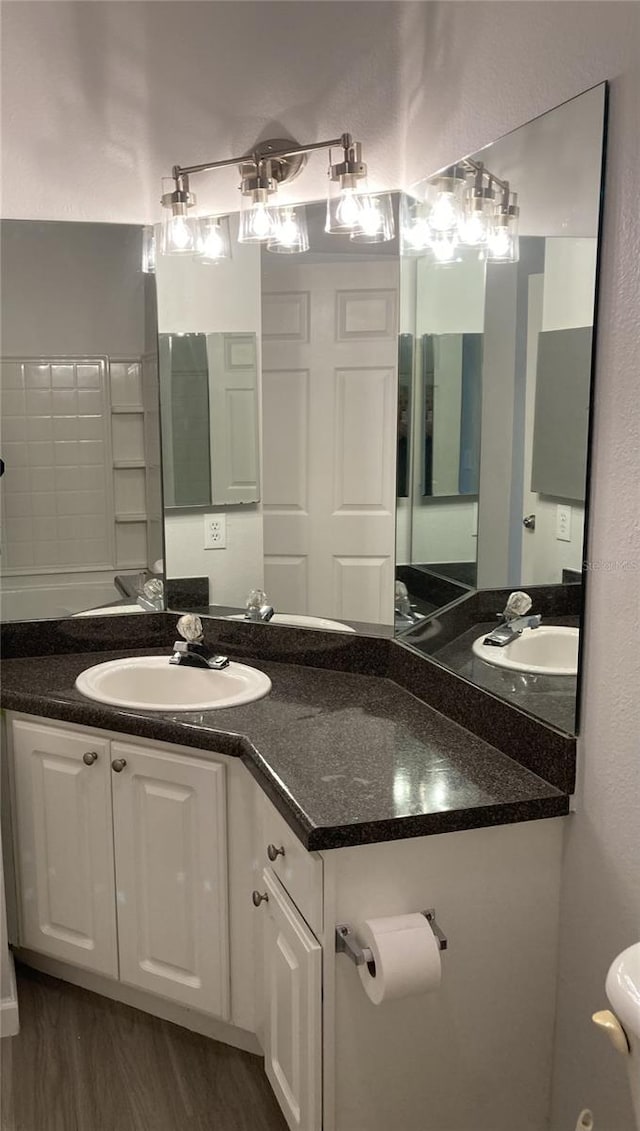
x=150 y=596
x=403 y=612
x=513 y=620
x=258 y=607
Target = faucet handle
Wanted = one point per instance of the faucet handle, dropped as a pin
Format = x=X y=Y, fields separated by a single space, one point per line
x=256 y=599
x=518 y=605
x=190 y=628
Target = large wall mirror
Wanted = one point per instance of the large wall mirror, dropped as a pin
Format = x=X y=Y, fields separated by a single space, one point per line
x=81 y=491
x=307 y=346
x=499 y=402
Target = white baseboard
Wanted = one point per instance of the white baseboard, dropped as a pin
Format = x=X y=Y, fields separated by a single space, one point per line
x=140 y=999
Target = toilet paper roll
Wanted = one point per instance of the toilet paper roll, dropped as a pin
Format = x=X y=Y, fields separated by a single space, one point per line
x=406 y=956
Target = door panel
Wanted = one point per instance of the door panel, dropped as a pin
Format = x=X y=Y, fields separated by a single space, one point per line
x=293 y=1010
x=171 y=874
x=65 y=846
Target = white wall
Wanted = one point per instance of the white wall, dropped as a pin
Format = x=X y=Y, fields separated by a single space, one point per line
x=98 y=97
x=198 y=298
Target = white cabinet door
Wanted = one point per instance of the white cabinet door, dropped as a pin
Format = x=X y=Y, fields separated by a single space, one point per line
x=293 y=1010
x=65 y=846
x=171 y=876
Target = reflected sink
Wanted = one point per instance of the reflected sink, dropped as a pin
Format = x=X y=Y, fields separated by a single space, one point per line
x=111 y=611
x=151 y=683
x=547 y=650
x=294 y=620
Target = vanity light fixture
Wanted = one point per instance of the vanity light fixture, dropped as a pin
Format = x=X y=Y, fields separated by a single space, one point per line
x=351 y=209
x=457 y=210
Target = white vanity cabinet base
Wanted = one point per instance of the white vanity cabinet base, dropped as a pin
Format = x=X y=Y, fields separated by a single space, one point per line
x=64 y=845
x=476 y=1054
x=171 y=876
x=292 y=1009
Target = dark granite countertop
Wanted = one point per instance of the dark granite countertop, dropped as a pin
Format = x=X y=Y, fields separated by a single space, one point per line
x=348 y=759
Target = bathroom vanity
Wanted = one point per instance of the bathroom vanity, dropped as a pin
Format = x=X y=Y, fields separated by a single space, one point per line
x=197 y=866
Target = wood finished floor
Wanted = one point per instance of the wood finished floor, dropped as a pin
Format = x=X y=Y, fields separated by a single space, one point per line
x=84 y=1063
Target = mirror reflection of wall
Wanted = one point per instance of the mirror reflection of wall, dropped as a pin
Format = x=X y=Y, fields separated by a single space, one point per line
x=81 y=494
x=320 y=537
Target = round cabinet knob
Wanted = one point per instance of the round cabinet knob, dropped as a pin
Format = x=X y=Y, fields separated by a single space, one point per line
x=529 y=521
x=118 y=765
x=259 y=898
x=89 y=757
x=273 y=853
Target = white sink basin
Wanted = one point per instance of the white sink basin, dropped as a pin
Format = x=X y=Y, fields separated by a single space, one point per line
x=151 y=683
x=111 y=611
x=547 y=650
x=294 y=620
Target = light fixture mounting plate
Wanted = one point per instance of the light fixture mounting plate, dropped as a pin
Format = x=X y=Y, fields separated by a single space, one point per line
x=282 y=168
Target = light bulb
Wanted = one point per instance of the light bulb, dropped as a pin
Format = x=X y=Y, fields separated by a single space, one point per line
x=444 y=248
x=260 y=221
x=348 y=210
x=417 y=236
x=213 y=243
x=474 y=229
x=370 y=217
x=288 y=229
x=180 y=235
x=444 y=214
x=500 y=243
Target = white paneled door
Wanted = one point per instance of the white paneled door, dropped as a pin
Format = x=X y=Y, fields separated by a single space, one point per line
x=64 y=845
x=171 y=875
x=329 y=435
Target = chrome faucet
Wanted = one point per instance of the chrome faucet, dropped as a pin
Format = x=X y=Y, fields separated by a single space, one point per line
x=150 y=595
x=513 y=620
x=192 y=652
x=258 y=607
x=403 y=612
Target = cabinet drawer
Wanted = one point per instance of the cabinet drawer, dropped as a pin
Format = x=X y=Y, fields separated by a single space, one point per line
x=299 y=871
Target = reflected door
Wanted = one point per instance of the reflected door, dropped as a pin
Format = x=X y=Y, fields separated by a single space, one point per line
x=329 y=435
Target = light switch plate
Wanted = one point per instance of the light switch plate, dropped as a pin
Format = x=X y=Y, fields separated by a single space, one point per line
x=563 y=523
x=215 y=531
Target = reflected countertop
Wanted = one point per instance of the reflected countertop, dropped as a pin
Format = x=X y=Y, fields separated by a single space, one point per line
x=347 y=759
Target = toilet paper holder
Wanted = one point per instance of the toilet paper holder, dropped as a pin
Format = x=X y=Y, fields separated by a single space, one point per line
x=347 y=943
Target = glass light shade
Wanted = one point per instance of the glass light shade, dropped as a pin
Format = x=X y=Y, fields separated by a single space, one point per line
x=503 y=245
x=290 y=235
x=344 y=204
x=215 y=243
x=257 y=219
x=445 y=197
x=180 y=232
x=376 y=220
x=476 y=226
x=444 y=247
x=415 y=233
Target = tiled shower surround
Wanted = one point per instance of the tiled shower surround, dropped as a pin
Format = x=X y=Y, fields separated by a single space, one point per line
x=75 y=493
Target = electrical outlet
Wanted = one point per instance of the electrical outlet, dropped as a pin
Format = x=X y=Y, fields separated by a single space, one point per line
x=215 y=532
x=563 y=523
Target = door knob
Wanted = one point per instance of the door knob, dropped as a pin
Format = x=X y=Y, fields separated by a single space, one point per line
x=259 y=898
x=529 y=521
x=273 y=852
x=89 y=757
x=118 y=765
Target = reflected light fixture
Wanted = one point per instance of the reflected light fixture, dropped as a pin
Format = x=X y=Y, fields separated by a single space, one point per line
x=503 y=245
x=458 y=210
x=215 y=243
x=290 y=235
